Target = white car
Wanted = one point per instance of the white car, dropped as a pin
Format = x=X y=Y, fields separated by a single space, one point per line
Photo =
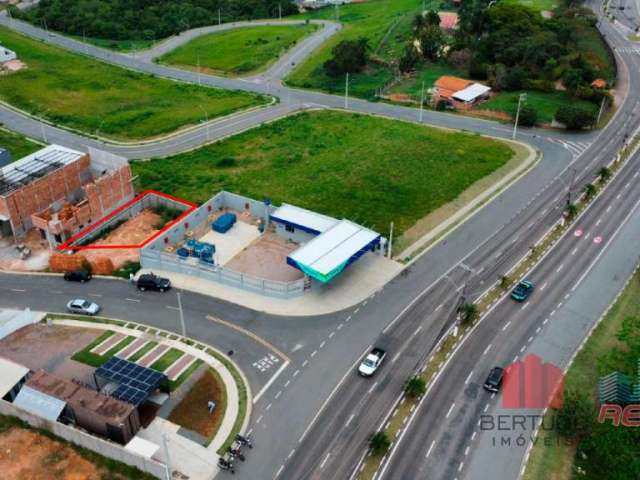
x=82 y=306
x=371 y=362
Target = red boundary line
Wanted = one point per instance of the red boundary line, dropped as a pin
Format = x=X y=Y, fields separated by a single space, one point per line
x=67 y=245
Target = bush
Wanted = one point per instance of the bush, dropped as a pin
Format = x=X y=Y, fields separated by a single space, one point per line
x=349 y=56
x=575 y=117
x=468 y=313
x=126 y=269
x=415 y=387
x=379 y=443
x=528 y=116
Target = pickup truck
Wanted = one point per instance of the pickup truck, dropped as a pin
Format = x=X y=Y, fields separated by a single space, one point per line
x=371 y=362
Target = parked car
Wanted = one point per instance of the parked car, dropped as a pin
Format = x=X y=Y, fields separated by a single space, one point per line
x=149 y=281
x=371 y=362
x=494 y=380
x=522 y=290
x=77 y=276
x=83 y=307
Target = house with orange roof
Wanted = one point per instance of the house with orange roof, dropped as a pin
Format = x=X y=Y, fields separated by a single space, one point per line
x=460 y=93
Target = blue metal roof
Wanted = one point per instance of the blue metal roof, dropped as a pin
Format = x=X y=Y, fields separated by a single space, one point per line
x=135 y=383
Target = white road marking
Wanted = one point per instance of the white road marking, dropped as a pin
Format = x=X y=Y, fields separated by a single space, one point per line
x=277 y=395
x=608 y=208
x=372 y=387
x=586 y=237
x=433 y=444
x=349 y=419
x=395 y=357
x=259 y=419
x=314 y=353
x=460 y=466
x=323 y=344
x=468 y=377
x=573 y=252
x=304 y=364
x=291 y=453
x=417 y=330
x=340 y=326
x=287 y=384
x=559 y=268
x=523 y=348
x=486 y=407
x=598 y=222
x=559 y=305
x=17 y=290
x=466 y=451
x=56 y=292
x=325 y=461
x=356 y=310
x=473 y=436
x=171 y=307
x=530 y=340
x=97 y=295
x=267 y=408
x=296 y=373
x=544 y=322
x=438 y=308
x=486 y=349
x=567 y=296
x=133 y=300
x=538 y=330
x=544 y=285
x=506 y=325
x=332 y=334
x=279 y=472
x=450 y=410
x=552 y=313
x=524 y=306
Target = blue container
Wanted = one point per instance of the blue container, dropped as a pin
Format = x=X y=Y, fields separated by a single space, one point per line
x=182 y=252
x=224 y=223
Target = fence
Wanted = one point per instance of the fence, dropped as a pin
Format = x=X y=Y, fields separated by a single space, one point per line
x=82 y=439
x=196 y=268
x=153 y=257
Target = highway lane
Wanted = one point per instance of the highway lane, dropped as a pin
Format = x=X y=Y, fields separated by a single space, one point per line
x=452 y=409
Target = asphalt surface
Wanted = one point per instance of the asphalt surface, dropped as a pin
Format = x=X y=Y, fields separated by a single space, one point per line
x=323 y=350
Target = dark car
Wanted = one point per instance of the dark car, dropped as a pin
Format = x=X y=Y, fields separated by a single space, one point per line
x=77 y=276
x=494 y=380
x=522 y=290
x=149 y=281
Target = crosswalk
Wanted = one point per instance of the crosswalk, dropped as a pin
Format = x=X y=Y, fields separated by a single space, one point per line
x=576 y=148
x=635 y=50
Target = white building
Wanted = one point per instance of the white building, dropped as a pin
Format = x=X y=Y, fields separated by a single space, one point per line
x=7 y=55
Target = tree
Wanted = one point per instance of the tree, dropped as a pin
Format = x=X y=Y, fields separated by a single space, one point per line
x=571 y=211
x=432 y=18
x=604 y=173
x=469 y=313
x=379 y=443
x=574 y=419
x=349 y=56
x=505 y=282
x=590 y=190
x=415 y=387
x=528 y=116
x=431 y=41
x=575 y=117
x=409 y=59
x=460 y=59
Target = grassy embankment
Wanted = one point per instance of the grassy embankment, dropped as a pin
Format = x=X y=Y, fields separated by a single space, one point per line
x=323 y=161
x=76 y=92
x=227 y=52
x=19 y=145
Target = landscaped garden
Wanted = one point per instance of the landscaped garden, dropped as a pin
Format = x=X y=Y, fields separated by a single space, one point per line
x=226 y=52
x=368 y=169
x=19 y=145
x=76 y=92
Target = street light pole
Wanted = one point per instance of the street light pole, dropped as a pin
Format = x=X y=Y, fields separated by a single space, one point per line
x=198 y=55
x=346 y=91
x=219 y=16
x=521 y=98
x=184 y=329
x=421 y=101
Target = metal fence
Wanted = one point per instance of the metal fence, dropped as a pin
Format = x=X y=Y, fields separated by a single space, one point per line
x=195 y=268
x=82 y=439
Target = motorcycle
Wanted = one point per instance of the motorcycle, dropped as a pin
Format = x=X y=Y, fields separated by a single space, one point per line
x=244 y=440
x=235 y=452
x=226 y=465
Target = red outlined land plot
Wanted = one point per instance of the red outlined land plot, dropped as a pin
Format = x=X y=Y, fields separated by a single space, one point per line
x=123 y=211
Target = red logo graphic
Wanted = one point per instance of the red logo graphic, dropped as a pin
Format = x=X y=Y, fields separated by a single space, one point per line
x=533 y=384
x=629 y=416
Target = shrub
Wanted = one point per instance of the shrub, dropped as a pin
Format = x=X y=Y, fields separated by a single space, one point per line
x=468 y=313
x=575 y=117
x=415 y=387
x=528 y=116
x=379 y=443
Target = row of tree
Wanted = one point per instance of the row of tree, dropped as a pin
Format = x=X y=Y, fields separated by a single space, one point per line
x=145 y=19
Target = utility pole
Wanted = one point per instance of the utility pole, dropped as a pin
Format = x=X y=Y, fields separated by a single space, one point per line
x=167 y=462
x=421 y=101
x=198 y=68
x=600 y=112
x=279 y=11
x=390 y=241
x=184 y=329
x=337 y=11
x=346 y=91
x=521 y=98
x=44 y=134
x=573 y=179
x=219 y=17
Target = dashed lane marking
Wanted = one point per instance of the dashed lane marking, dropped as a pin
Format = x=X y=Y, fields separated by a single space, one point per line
x=468 y=377
x=506 y=325
x=433 y=444
x=133 y=300
x=450 y=410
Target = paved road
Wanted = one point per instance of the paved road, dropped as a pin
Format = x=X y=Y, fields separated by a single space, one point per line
x=323 y=349
x=291 y=99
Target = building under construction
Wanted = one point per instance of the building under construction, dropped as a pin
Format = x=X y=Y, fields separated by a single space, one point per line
x=60 y=191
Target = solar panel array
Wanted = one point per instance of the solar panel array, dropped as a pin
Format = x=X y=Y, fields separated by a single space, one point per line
x=135 y=383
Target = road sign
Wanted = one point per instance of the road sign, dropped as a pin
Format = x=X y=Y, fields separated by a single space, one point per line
x=597 y=240
x=578 y=233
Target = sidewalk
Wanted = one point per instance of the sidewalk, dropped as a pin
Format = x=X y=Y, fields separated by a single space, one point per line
x=357 y=283
x=202 y=464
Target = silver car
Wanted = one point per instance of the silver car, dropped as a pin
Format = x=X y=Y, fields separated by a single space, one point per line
x=82 y=306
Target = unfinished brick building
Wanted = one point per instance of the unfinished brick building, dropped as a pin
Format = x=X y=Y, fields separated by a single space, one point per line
x=60 y=191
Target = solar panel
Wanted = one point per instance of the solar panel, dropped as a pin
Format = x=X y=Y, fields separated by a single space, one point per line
x=135 y=383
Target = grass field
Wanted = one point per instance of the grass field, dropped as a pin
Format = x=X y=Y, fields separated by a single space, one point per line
x=368 y=169
x=537 y=4
x=97 y=98
x=387 y=25
x=603 y=353
x=227 y=52
x=427 y=74
x=19 y=145
x=546 y=104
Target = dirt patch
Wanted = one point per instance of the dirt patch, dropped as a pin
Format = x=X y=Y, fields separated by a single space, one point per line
x=267 y=258
x=192 y=412
x=10 y=255
x=491 y=114
x=49 y=347
x=27 y=455
x=132 y=232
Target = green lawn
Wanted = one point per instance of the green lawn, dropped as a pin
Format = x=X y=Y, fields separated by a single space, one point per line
x=387 y=25
x=227 y=52
x=545 y=103
x=537 y=4
x=167 y=359
x=117 y=45
x=19 y=145
x=97 y=98
x=147 y=347
x=428 y=74
x=88 y=357
x=368 y=169
x=603 y=353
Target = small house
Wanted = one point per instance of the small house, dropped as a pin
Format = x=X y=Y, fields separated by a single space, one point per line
x=7 y=55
